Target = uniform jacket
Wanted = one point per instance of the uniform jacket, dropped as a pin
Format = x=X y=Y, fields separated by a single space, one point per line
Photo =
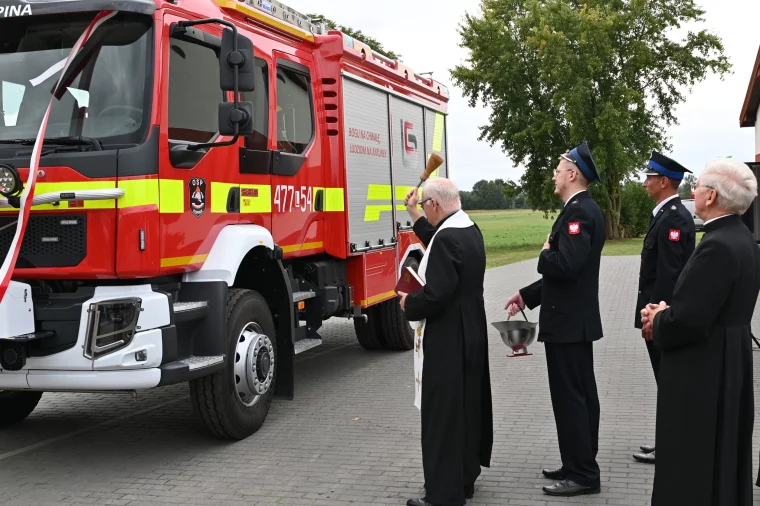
x=568 y=292
x=667 y=247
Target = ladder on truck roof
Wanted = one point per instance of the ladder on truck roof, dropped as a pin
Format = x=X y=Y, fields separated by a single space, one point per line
x=289 y=15
x=300 y=25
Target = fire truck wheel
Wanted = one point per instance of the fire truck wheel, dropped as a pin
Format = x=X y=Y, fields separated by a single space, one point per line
x=16 y=406
x=367 y=331
x=233 y=403
x=394 y=328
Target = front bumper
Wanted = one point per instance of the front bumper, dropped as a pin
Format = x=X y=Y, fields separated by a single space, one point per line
x=134 y=366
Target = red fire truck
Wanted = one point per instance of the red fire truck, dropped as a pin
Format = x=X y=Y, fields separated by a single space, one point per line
x=217 y=178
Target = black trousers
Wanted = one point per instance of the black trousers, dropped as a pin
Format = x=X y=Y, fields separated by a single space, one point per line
x=576 y=409
x=654 y=358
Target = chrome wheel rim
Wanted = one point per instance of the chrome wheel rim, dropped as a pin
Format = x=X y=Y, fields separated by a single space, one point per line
x=254 y=364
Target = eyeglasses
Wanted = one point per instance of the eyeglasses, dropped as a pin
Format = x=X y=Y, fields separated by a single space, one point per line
x=557 y=171
x=422 y=203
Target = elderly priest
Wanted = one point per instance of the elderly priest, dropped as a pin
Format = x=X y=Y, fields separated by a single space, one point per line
x=705 y=403
x=449 y=315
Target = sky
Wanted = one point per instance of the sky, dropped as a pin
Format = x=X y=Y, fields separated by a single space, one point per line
x=428 y=40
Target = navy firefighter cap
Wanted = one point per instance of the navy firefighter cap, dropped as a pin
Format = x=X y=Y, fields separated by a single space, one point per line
x=661 y=165
x=581 y=156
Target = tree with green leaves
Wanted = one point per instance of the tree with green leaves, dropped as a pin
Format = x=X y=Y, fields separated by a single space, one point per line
x=358 y=35
x=557 y=72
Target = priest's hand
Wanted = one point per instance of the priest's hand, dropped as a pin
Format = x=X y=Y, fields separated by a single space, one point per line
x=514 y=304
x=410 y=201
x=647 y=319
x=546 y=244
x=403 y=300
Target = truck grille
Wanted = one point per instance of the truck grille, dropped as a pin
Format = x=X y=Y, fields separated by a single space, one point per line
x=49 y=240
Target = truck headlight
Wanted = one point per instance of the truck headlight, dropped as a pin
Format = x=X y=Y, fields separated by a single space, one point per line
x=10 y=181
x=111 y=325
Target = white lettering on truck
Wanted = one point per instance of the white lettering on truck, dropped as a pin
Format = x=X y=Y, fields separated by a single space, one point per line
x=12 y=11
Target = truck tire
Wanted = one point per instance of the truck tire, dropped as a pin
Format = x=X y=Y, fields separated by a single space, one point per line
x=234 y=402
x=366 y=332
x=16 y=406
x=393 y=326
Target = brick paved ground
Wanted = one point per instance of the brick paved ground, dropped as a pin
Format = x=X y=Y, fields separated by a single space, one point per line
x=351 y=436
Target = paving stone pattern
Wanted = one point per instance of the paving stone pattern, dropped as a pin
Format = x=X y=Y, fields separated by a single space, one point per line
x=351 y=436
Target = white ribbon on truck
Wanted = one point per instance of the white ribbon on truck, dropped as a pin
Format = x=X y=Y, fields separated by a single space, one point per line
x=6 y=270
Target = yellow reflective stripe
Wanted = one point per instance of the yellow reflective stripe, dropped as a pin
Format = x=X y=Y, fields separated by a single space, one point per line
x=260 y=203
x=41 y=188
x=379 y=192
x=138 y=192
x=437 y=139
x=438 y=132
x=298 y=247
x=334 y=200
x=175 y=261
x=219 y=193
x=401 y=192
x=378 y=297
x=172 y=196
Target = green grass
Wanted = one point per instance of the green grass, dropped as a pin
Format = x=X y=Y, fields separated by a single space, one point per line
x=516 y=235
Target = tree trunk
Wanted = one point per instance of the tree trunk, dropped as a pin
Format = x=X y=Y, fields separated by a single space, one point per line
x=612 y=219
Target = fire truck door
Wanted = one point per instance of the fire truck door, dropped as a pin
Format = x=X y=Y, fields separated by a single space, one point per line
x=297 y=172
x=196 y=187
x=255 y=157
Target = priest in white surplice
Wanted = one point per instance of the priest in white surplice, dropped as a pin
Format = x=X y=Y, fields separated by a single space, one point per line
x=449 y=318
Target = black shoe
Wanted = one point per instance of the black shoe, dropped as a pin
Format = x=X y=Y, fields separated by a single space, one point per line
x=418 y=502
x=557 y=474
x=567 y=488
x=469 y=491
x=647 y=458
x=647 y=448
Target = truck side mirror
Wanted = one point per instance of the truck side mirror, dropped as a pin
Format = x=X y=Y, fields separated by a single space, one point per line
x=231 y=117
x=231 y=58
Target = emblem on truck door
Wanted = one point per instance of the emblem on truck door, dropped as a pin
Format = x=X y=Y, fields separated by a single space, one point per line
x=408 y=143
x=197 y=188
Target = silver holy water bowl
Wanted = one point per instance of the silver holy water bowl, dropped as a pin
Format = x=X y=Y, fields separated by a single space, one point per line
x=517 y=335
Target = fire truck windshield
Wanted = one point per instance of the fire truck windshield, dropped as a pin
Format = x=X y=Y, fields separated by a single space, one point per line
x=109 y=99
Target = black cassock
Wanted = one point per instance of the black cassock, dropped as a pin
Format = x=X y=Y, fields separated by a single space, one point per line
x=705 y=403
x=456 y=409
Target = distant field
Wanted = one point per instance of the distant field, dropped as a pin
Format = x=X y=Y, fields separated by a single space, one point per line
x=516 y=235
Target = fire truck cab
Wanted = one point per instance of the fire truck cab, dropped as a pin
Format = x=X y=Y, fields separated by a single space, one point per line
x=161 y=247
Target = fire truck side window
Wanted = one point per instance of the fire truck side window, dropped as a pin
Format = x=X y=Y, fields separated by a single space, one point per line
x=194 y=92
x=295 y=116
x=259 y=141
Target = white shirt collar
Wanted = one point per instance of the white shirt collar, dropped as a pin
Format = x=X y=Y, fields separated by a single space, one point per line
x=662 y=204
x=571 y=197
x=719 y=217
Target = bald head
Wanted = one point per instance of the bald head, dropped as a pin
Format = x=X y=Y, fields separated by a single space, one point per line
x=444 y=192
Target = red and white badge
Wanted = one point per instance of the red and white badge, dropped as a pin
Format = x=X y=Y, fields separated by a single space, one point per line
x=574 y=228
x=674 y=235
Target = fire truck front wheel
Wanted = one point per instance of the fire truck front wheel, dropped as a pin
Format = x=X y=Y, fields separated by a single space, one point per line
x=234 y=402
x=16 y=406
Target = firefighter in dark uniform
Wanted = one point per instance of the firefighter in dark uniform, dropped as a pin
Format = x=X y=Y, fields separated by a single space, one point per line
x=667 y=247
x=569 y=322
